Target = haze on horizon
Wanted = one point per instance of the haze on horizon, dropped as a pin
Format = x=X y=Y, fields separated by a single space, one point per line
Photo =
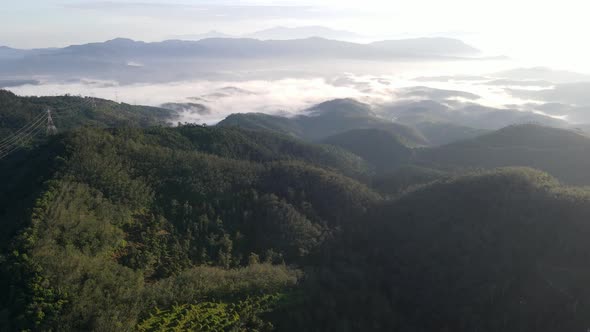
x=532 y=32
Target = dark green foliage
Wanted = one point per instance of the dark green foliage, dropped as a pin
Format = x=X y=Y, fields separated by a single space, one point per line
x=498 y=251
x=441 y=133
x=213 y=316
x=203 y=282
x=232 y=229
x=562 y=153
x=318 y=191
x=261 y=146
x=71 y=112
x=326 y=119
x=131 y=218
x=405 y=179
x=382 y=149
x=261 y=121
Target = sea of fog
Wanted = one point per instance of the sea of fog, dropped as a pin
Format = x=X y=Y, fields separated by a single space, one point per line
x=290 y=88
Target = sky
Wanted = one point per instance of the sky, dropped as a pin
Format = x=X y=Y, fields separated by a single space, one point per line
x=540 y=32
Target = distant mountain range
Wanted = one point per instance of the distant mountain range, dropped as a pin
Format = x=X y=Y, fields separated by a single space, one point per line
x=282 y=33
x=122 y=48
x=126 y=60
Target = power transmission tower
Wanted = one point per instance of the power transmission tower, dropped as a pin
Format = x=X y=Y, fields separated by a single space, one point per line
x=51 y=128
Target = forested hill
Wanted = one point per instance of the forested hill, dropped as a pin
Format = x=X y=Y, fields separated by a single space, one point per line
x=560 y=152
x=72 y=112
x=496 y=251
x=381 y=148
x=327 y=119
x=145 y=229
x=138 y=218
x=123 y=226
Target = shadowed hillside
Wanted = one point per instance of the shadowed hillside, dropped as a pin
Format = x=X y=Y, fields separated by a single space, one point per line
x=560 y=152
x=327 y=119
x=494 y=251
x=382 y=149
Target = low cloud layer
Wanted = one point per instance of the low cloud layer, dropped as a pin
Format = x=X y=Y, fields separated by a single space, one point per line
x=206 y=101
x=568 y=93
x=223 y=98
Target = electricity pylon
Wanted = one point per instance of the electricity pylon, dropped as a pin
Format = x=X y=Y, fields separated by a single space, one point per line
x=51 y=128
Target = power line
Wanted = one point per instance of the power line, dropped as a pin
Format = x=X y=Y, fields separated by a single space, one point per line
x=10 y=140
x=85 y=102
x=23 y=132
x=23 y=128
x=15 y=147
x=19 y=144
x=15 y=141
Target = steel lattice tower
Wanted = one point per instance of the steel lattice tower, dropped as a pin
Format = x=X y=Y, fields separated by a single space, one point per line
x=51 y=128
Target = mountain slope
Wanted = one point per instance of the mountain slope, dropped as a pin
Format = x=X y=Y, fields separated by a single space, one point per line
x=264 y=146
x=442 y=133
x=72 y=112
x=225 y=228
x=261 y=121
x=382 y=149
x=236 y=47
x=494 y=251
x=144 y=220
x=560 y=152
x=129 y=61
x=340 y=115
x=465 y=114
x=511 y=232
x=327 y=119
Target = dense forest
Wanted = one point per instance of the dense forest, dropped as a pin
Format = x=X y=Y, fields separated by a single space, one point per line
x=75 y=111
x=121 y=222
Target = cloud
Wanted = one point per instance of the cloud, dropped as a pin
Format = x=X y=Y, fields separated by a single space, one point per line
x=134 y=64
x=219 y=11
x=423 y=92
x=7 y=83
x=520 y=83
x=451 y=78
x=284 y=95
x=569 y=93
x=542 y=74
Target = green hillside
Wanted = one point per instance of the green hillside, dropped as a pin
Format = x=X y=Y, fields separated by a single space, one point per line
x=325 y=120
x=71 y=112
x=134 y=216
x=396 y=182
x=260 y=121
x=562 y=153
x=382 y=149
x=441 y=133
x=128 y=225
x=498 y=251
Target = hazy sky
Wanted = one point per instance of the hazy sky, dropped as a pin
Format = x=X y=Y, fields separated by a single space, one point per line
x=543 y=32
